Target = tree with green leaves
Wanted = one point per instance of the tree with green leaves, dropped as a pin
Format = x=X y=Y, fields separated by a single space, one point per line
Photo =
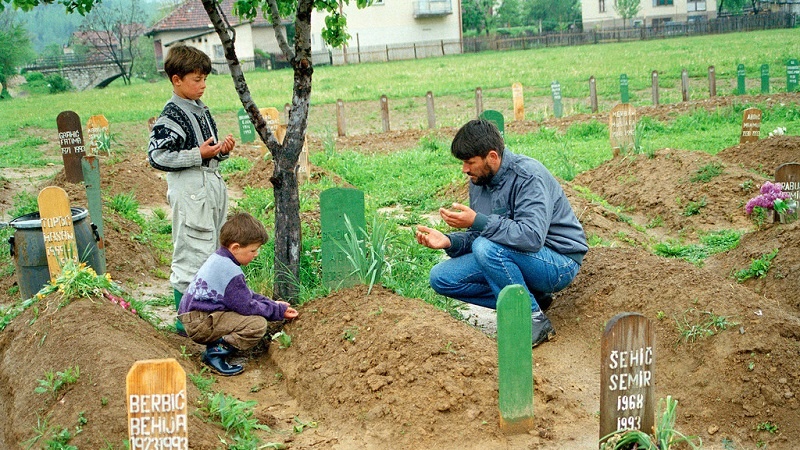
x=477 y=15
x=15 y=48
x=286 y=154
x=627 y=9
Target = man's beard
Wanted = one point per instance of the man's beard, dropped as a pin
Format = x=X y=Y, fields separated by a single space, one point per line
x=486 y=178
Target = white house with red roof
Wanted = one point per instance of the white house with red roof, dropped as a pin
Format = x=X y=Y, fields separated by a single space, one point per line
x=385 y=23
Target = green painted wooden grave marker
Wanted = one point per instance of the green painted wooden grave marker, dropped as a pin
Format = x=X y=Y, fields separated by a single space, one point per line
x=246 y=129
x=792 y=75
x=765 y=78
x=157 y=405
x=627 y=374
x=496 y=117
x=515 y=359
x=740 y=77
x=90 y=165
x=70 y=136
x=623 y=88
x=334 y=205
x=558 y=108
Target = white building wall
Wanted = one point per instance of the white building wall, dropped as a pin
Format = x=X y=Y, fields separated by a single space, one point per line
x=679 y=11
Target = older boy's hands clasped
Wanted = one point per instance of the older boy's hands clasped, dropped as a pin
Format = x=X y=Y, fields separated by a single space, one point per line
x=210 y=150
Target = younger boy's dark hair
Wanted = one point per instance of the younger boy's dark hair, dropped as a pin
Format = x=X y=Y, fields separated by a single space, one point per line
x=182 y=60
x=477 y=138
x=243 y=229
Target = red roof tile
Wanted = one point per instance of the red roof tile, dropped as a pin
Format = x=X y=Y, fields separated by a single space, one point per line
x=190 y=15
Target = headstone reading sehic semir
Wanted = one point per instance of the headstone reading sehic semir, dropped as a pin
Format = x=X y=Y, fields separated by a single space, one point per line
x=627 y=374
x=70 y=137
x=57 y=228
x=97 y=134
x=334 y=205
x=751 y=125
x=622 y=127
x=157 y=405
x=247 y=131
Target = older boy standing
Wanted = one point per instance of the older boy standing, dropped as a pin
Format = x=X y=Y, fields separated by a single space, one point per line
x=184 y=143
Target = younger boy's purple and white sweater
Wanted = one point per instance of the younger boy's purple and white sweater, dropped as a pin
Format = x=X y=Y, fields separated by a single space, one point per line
x=220 y=286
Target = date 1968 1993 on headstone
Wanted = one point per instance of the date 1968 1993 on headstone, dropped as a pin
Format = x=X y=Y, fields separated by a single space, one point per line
x=627 y=374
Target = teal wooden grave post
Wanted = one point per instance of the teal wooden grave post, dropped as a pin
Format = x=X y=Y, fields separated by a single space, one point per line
x=740 y=76
x=91 y=180
x=792 y=75
x=70 y=136
x=627 y=374
x=765 y=78
x=496 y=117
x=334 y=205
x=515 y=359
x=623 y=88
x=246 y=129
x=558 y=108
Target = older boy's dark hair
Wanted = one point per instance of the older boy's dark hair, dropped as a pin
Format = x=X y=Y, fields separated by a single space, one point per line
x=243 y=229
x=183 y=59
x=476 y=138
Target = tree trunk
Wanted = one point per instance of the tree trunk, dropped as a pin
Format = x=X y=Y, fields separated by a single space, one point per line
x=285 y=156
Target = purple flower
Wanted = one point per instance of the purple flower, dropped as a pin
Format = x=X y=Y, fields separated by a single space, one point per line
x=769 y=192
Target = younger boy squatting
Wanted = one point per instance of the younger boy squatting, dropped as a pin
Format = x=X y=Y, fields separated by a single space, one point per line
x=218 y=309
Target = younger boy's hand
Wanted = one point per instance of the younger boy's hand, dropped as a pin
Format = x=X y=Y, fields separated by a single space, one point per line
x=290 y=313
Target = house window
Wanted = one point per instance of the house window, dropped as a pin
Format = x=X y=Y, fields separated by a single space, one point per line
x=695 y=5
x=662 y=2
x=378 y=2
x=219 y=52
x=601 y=5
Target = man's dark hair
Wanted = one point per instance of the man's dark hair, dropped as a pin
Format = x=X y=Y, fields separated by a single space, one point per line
x=182 y=60
x=243 y=229
x=476 y=138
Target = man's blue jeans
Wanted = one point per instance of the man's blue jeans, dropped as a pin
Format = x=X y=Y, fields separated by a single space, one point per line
x=478 y=277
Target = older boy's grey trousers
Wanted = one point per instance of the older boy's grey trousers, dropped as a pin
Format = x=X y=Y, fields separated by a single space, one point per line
x=199 y=201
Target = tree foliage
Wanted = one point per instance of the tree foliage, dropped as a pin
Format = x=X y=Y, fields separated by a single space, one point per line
x=112 y=30
x=627 y=9
x=477 y=15
x=15 y=48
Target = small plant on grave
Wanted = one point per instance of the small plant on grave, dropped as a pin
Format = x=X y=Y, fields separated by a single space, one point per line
x=770 y=198
x=284 y=340
x=53 y=381
x=769 y=427
x=664 y=436
x=237 y=418
x=369 y=255
x=705 y=324
x=706 y=173
x=350 y=334
x=758 y=267
x=693 y=208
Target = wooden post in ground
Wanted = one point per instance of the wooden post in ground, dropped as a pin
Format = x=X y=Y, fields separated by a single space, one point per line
x=431 y=113
x=515 y=360
x=157 y=405
x=654 y=88
x=593 y=93
x=341 y=125
x=478 y=101
x=685 y=85
x=627 y=374
x=712 y=82
x=518 y=101
x=57 y=228
x=385 y=113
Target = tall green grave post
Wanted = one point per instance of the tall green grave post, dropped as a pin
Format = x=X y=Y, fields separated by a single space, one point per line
x=335 y=204
x=515 y=360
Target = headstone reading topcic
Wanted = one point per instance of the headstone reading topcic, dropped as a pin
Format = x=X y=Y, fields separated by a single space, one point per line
x=519 y=103
x=751 y=125
x=622 y=127
x=558 y=108
x=627 y=374
x=157 y=405
x=496 y=117
x=57 y=228
x=334 y=205
x=98 y=134
x=792 y=75
x=247 y=131
x=70 y=137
